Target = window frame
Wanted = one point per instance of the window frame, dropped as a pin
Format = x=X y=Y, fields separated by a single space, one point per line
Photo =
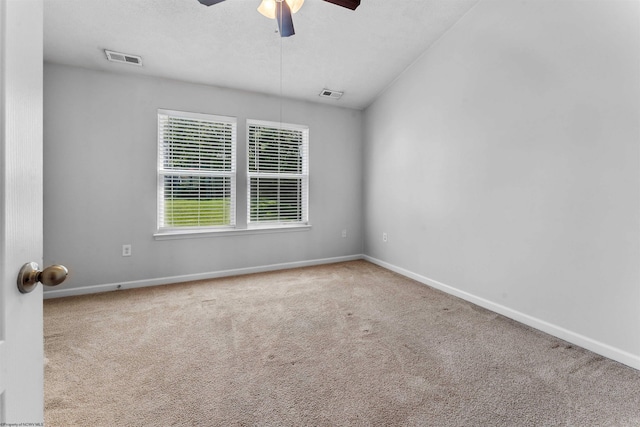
x=161 y=228
x=303 y=176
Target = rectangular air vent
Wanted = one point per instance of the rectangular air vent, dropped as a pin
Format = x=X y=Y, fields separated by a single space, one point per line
x=123 y=58
x=333 y=94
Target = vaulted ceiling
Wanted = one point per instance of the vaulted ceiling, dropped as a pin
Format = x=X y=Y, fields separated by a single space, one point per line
x=231 y=45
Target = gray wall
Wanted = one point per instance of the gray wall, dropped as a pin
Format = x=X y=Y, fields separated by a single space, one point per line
x=504 y=164
x=100 y=139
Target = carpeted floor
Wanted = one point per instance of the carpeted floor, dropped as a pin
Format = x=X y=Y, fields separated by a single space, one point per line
x=347 y=344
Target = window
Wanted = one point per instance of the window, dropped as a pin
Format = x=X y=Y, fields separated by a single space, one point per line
x=278 y=173
x=196 y=171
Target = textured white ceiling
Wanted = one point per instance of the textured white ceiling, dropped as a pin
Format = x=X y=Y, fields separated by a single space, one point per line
x=231 y=45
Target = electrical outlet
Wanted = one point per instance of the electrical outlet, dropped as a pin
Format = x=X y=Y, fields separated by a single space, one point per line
x=344 y=233
x=384 y=237
x=126 y=250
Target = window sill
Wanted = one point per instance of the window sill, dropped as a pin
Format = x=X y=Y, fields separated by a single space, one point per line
x=195 y=234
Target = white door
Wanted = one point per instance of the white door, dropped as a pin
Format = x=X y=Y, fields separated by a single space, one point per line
x=21 y=346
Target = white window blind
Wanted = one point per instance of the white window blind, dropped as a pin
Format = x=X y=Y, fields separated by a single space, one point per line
x=278 y=173
x=196 y=170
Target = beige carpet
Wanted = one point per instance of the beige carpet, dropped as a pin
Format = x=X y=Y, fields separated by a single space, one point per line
x=348 y=344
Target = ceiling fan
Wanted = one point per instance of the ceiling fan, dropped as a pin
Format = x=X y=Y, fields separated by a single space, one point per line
x=282 y=10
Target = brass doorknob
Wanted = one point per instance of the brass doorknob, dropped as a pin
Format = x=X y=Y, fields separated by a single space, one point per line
x=30 y=275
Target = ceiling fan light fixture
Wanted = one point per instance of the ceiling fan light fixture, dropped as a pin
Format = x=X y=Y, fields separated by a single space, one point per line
x=295 y=5
x=268 y=7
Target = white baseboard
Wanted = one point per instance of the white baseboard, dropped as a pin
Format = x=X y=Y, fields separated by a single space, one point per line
x=549 y=328
x=85 y=290
x=605 y=350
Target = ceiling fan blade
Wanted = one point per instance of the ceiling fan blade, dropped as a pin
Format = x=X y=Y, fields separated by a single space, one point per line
x=285 y=22
x=349 y=4
x=210 y=2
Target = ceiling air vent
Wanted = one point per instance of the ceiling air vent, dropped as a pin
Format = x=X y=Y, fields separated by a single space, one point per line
x=333 y=94
x=123 y=58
